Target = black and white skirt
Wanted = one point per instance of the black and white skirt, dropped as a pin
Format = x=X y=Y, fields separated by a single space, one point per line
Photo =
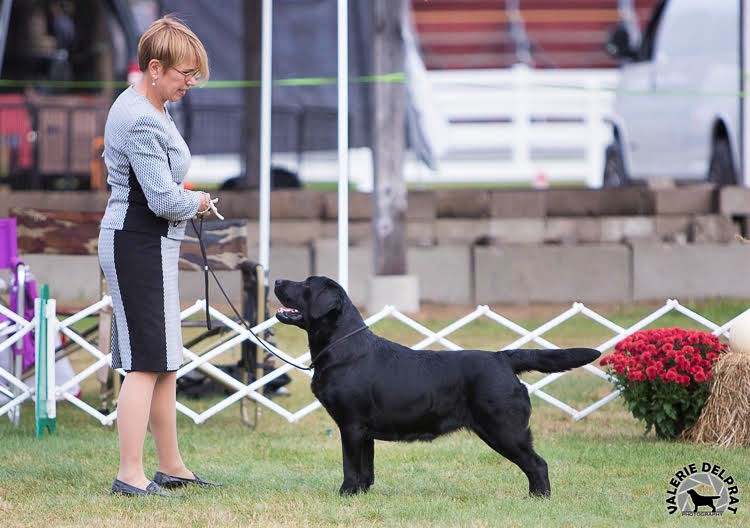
x=141 y=274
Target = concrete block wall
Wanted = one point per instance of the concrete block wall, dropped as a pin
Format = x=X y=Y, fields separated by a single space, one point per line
x=690 y=271
x=479 y=246
x=530 y=274
x=73 y=280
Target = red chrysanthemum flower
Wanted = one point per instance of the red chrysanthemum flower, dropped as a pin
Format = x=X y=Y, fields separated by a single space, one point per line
x=663 y=375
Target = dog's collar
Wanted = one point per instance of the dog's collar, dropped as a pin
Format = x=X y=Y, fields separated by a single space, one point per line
x=330 y=345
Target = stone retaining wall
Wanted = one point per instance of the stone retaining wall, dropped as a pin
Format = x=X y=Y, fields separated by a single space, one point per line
x=479 y=246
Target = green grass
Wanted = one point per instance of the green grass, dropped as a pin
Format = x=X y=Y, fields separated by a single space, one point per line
x=603 y=470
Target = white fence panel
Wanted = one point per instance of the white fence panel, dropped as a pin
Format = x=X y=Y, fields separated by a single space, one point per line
x=237 y=334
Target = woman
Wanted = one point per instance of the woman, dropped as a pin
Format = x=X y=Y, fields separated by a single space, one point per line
x=139 y=244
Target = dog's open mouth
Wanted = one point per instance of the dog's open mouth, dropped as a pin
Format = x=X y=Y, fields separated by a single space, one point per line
x=288 y=315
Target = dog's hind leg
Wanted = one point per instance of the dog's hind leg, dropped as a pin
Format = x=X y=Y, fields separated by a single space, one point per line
x=352 y=446
x=368 y=463
x=517 y=447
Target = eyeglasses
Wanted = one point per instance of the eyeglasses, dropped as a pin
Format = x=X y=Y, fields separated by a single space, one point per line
x=190 y=75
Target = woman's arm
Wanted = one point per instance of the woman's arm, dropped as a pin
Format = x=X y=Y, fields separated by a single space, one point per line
x=147 y=154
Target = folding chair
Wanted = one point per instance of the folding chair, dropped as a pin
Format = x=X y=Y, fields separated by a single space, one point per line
x=21 y=354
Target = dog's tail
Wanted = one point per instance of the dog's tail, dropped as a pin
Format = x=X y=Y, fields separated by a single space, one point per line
x=550 y=359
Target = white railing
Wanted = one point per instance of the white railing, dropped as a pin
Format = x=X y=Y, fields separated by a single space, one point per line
x=237 y=334
x=521 y=124
x=498 y=126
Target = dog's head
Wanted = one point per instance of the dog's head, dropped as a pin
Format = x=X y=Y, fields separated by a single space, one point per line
x=305 y=303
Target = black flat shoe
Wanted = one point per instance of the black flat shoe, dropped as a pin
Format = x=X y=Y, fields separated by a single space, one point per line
x=170 y=482
x=120 y=488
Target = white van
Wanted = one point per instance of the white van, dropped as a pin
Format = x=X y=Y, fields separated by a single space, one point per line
x=677 y=107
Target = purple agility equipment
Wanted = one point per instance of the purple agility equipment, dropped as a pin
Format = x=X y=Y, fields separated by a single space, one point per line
x=8 y=242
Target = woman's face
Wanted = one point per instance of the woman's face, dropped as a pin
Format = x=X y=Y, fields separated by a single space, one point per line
x=177 y=80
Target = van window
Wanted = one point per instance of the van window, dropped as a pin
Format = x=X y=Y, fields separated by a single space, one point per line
x=649 y=35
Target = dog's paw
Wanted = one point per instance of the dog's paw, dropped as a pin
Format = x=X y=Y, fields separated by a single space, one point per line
x=347 y=490
x=540 y=494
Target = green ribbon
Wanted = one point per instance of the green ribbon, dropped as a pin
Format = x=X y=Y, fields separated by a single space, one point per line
x=396 y=77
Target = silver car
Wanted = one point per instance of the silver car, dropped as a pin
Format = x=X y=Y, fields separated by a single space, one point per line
x=677 y=107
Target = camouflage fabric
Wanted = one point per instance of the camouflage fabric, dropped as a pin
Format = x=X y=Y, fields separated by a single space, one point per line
x=77 y=233
x=57 y=232
x=225 y=243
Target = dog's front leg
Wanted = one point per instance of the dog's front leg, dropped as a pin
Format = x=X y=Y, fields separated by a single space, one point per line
x=351 y=449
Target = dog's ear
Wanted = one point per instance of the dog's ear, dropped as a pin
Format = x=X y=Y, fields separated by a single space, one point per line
x=325 y=301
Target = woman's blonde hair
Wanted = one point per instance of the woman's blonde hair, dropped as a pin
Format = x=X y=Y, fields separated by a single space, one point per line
x=171 y=42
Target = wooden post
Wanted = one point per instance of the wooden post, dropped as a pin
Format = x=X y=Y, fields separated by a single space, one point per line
x=252 y=14
x=389 y=197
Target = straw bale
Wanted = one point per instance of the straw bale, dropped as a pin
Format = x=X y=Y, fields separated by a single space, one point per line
x=725 y=418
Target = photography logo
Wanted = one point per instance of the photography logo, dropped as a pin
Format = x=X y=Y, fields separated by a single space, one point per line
x=703 y=489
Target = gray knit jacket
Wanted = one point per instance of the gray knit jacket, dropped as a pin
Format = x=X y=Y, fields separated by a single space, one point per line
x=147 y=160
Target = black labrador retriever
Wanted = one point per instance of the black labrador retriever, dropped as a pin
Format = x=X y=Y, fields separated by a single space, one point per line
x=375 y=389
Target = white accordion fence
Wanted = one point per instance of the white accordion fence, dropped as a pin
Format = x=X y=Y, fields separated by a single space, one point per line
x=16 y=392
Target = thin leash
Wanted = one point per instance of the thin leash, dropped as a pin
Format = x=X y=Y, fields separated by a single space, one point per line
x=207 y=268
x=330 y=345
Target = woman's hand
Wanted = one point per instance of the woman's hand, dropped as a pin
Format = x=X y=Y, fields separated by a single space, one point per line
x=205 y=206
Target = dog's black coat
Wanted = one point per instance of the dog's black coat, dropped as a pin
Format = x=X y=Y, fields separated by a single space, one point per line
x=375 y=389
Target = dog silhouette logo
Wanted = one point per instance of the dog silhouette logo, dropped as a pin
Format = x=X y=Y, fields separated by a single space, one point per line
x=703 y=489
x=702 y=500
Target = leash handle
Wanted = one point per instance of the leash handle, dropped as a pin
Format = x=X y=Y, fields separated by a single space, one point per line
x=212 y=205
x=198 y=233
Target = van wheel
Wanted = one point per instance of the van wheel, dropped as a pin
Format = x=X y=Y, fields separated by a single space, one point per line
x=614 y=168
x=721 y=168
